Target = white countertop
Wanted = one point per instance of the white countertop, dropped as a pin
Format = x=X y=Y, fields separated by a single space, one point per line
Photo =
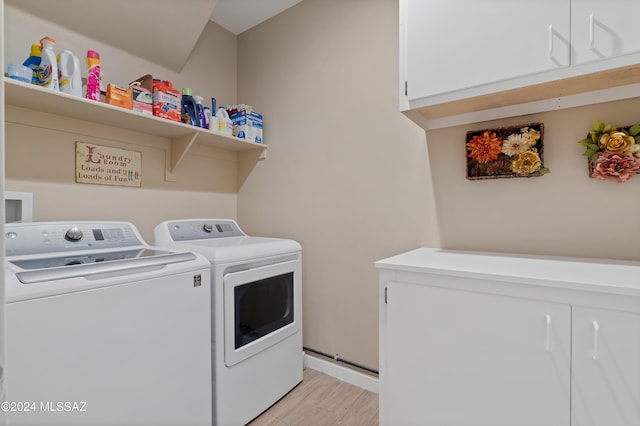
x=600 y=275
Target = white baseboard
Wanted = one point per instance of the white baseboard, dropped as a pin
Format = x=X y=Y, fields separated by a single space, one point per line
x=345 y=374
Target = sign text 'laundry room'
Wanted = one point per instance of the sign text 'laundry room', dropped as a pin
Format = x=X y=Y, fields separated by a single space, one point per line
x=104 y=165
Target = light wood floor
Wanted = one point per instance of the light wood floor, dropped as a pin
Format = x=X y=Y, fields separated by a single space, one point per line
x=322 y=400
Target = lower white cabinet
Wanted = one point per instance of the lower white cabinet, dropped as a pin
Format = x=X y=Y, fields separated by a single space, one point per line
x=462 y=358
x=472 y=339
x=606 y=368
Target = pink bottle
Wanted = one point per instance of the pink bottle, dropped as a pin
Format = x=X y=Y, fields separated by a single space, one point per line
x=93 y=75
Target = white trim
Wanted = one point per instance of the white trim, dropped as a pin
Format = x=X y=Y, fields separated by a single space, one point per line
x=348 y=375
x=571 y=101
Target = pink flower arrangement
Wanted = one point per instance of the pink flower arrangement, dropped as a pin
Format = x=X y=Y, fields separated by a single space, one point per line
x=614 y=153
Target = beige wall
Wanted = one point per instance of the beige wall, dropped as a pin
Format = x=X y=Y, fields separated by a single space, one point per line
x=562 y=213
x=347 y=175
x=40 y=148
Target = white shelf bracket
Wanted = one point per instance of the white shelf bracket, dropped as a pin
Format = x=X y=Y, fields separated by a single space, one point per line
x=177 y=150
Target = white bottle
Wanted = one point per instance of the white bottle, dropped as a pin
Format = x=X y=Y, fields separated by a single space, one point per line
x=224 y=122
x=49 y=64
x=69 y=76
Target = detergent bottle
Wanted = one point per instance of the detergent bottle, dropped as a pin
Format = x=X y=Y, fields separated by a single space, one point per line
x=93 y=75
x=48 y=64
x=69 y=76
x=33 y=62
x=189 y=108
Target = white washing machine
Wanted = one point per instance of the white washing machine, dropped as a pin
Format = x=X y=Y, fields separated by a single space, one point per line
x=256 y=309
x=103 y=329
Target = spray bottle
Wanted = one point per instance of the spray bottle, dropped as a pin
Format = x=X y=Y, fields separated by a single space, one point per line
x=49 y=64
x=200 y=110
x=69 y=73
x=93 y=75
x=33 y=62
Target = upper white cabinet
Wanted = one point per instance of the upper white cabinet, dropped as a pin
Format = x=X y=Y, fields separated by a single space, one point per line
x=469 y=56
x=456 y=45
x=603 y=29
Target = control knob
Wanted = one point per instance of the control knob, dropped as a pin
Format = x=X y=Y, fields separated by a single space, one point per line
x=73 y=234
x=208 y=227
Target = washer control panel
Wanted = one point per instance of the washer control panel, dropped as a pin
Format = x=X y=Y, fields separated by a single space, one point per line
x=56 y=237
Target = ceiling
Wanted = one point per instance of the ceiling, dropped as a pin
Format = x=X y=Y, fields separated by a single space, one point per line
x=98 y=18
x=237 y=16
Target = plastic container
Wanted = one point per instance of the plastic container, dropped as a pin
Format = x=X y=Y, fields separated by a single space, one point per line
x=33 y=62
x=69 y=76
x=202 y=118
x=189 y=108
x=19 y=72
x=93 y=75
x=207 y=115
x=49 y=64
x=224 y=122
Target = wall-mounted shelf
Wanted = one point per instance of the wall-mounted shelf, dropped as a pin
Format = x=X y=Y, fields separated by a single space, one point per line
x=182 y=136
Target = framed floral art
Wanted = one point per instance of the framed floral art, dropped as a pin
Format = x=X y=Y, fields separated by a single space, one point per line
x=506 y=152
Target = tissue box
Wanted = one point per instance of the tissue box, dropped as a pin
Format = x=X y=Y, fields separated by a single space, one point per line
x=247 y=125
x=142 y=100
x=118 y=96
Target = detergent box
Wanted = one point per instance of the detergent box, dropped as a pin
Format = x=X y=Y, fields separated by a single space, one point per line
x=166 y=101
x=118 y=96
x=247 y=125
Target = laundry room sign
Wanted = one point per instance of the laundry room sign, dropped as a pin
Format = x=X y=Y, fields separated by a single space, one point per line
x=105 y=165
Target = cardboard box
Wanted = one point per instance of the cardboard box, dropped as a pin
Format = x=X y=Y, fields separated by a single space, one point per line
x=118 y=96
x=247 y=125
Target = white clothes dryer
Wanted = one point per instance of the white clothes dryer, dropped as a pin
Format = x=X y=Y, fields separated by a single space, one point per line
x=103 y=329
x=256 y=309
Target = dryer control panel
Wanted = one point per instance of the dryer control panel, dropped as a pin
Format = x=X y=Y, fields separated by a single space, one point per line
x=57 y=237
x=202 y=229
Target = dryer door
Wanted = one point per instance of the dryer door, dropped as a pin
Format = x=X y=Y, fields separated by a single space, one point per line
x=259 y=309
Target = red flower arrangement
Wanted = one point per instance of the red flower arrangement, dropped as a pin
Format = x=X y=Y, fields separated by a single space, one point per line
x=505 y=152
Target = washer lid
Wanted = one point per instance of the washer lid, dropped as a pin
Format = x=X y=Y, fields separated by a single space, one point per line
x=88 y=265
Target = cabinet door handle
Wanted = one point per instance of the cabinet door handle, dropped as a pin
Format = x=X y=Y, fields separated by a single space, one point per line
x=547 y=343
x=592 y=33
x=596 y=331
x=550 y=53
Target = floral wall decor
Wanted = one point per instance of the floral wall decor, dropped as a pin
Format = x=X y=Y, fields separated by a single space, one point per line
x=613 y=152
x=505 y=152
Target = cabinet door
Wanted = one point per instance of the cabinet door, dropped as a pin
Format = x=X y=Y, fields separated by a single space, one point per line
x=463 y=358
x=453 y=45
x=604 y=29
x=606 y=368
